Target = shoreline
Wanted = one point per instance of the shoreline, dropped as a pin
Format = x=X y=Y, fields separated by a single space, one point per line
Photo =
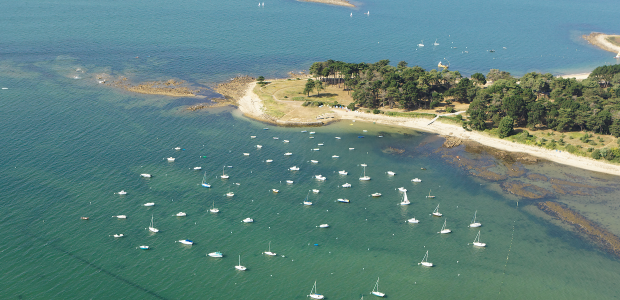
x=331 y=2
x=251 y=106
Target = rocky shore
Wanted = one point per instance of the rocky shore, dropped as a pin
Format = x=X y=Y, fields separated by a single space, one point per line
x=331 y=2
x=168 y=88
x=236 y=88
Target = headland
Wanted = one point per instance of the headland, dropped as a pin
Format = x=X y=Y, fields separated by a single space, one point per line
x=607 y=42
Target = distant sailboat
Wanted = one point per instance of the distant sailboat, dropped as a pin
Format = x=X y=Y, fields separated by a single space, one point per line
x=314 y=294
x=351 y=15
x=204 y=181
x=617 y=56
x=269 y=251
x=425 y=262
x=213 y=209
x=152 y=226
x=473 y=221
x=367 y=13
x=445 y=230
x=306 y=202
x=435 y=43
x=405 y=200
x=365 y=178
x=436 y=212
x=477 y=242
x=429 y=194
x=224 y=176
x=240 y=267
x=375 y=290
x=421 y=44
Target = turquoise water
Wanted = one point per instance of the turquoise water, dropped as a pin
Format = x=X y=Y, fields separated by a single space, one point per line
x=69 y=145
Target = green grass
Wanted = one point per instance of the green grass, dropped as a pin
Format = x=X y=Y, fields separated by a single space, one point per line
x=409 y=114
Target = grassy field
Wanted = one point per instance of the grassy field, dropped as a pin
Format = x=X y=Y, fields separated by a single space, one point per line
x=614 y=40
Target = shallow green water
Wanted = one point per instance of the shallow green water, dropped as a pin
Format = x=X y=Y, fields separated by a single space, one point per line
x=69 y=147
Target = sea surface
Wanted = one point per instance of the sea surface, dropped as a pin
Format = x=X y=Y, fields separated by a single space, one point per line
x=70 y=144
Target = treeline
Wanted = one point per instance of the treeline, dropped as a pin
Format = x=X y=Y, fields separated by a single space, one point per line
x=536 y=101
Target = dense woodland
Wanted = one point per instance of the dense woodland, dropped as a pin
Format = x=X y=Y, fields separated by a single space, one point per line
x=535 y=101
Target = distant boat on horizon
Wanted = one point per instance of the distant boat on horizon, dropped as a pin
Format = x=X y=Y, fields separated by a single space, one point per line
x=421 y=44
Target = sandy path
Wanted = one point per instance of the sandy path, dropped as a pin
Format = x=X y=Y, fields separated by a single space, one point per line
x=561 y=157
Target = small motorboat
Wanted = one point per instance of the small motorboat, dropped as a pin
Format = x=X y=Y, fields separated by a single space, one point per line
x=145 y=247
x=308 y=203
x=343 y=200
x=321 y=144
x=364 y=165
x=275 y=191
x=316 y=149
x=288 y=153
x=416 y=180
x=391 y=173
x=230 y=194
x=314 y=161
x=177 y=148
x=269 y=160
x=259 y=146
x=315 y=191
x=252 y=136
x=311 y=137
x=294 y=168
x=402 y=189
x=343 y=172
x=197 y=168
x=170 y=159
x=246 y=154
x=376 y=195
x=84 y=218
x=324 y=226
x=122 y=192
x=215 y=254
x=351 y=148
x=312 y=132
x=181 y=214
x=120 y=235
x=121 y=217
x=320 y=177
x=360 y=136
x=248 y=220
x=335 y=156
x=285 y=141
x=186 y=242
x=413 y=220
x=304 y=131
x=346 y=185
x=146 y=175
x=149 y=204
x=289 y=181
x=276 y=138
x=338 y=138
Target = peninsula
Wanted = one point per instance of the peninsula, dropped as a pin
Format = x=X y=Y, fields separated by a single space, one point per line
x=607 y=42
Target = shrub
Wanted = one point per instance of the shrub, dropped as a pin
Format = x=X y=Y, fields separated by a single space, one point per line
x=351 y=106
x=376 y=111
x=450 y=109
x=596 y=154
x=571 y=149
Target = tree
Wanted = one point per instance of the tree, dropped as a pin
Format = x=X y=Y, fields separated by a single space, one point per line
x=479 y=77
x=318 y=86
x=496 y=74
x=260 y=78
x=309 y=87
x=505 y=127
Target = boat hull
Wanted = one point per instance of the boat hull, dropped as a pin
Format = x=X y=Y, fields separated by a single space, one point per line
x=473 y=225
x=316 y=296
x=378 y=294
x=480 y=244
x=426 y=264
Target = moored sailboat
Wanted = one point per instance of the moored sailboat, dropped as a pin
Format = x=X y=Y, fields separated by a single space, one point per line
x=405 y=200
x=477 y=242
x=473 y=221
x=314 y=294
x=375 y=290
x=425 y=261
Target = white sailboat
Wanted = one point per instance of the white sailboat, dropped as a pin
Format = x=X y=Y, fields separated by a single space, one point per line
x=204 y=181
x=376 y=194
x=444 y=229
x=421 y=44
x=436 y=212
x=306 y=201
x=435 y=43
x=240 y=267
x=365 y=178
x=473 y=221
x=213 y=209
x=477 y=242
x=617 y=56
x=152 y=226
x=269 y=252
x=375 y=290
x=314 y=294
x=429 y=194
x=405 y=200
x=425 y=262
x=224 y=176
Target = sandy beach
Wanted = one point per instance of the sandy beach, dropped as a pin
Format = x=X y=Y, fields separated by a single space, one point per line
x=600 y=40
x=251 y=105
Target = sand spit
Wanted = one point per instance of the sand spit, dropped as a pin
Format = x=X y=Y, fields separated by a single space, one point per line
x=600 y=40
x=331 y=2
